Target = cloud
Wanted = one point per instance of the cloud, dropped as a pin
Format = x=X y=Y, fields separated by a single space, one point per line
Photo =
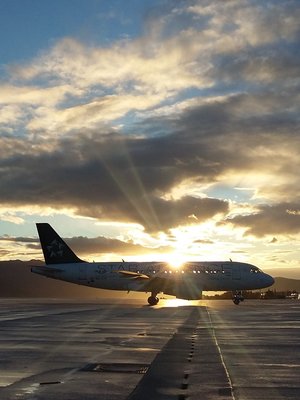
x=89 y=115
x=102 y=245
x=20 y=104
x=143 y=65
x=73 y=85
x=278 y=66
x=10 y=116
x=35 y=95
x=210 y=92
x=237 y=24
x=203 y=241
x=279 y=219
x=20 y=239
x=91 y=246
x=124 y=185
x=128 y=177
x=157 y=214
x=92 y=85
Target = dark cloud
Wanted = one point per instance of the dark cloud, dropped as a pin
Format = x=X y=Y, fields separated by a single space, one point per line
x=4 y=253
x=113 y=177
x=18 y=239
x=270 y=220
x=203 y=241
x=102 y=245
x=126 y=178
x=96 y=246
x=278 y=65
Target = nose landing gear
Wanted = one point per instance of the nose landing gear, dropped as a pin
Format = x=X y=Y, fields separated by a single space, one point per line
x=153 y=300
x=237 y=297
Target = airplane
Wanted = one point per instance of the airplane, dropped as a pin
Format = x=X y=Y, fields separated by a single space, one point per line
x=186 y=282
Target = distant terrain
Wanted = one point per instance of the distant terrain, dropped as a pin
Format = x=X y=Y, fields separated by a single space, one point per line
x=286 y=284
x=16 y=280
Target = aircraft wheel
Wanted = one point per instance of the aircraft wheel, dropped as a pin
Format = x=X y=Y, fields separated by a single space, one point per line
x=237 y=297
x=152 y=300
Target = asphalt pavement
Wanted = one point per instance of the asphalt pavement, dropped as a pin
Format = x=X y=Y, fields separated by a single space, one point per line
x=124 y=349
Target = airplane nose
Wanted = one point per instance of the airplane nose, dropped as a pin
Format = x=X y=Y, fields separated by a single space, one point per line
x=269 y=280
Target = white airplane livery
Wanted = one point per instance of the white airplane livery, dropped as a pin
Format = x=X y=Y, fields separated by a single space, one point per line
x=186 y=282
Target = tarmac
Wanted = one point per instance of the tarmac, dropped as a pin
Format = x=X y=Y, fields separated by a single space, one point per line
x=125 y=350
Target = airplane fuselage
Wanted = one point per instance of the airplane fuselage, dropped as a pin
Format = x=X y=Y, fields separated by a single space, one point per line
x=194 y=276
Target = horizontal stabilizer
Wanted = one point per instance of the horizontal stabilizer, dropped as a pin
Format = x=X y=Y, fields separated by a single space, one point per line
x=46 y=271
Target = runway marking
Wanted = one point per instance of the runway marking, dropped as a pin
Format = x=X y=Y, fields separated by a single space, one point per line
x=176 y=370
x=221 y=357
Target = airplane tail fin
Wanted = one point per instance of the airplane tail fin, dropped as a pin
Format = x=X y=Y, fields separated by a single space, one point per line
x=55 y=250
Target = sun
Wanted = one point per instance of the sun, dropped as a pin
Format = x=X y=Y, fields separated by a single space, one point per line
x=175 y=260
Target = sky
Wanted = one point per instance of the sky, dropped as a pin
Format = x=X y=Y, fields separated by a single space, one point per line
x=156 y=130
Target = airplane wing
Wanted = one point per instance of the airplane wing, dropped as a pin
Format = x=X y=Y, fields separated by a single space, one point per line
x=156 y=284
x=133 y=275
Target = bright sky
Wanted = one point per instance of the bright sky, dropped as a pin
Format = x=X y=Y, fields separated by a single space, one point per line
x=152 y=129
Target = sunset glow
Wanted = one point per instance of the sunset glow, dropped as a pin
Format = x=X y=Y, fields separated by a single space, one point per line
x=175 y=261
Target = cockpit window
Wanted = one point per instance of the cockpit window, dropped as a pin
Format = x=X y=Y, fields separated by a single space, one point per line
x=255 y=270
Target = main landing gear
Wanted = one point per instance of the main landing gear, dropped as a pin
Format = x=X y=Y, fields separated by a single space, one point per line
x=237 y=297
x=153 y=300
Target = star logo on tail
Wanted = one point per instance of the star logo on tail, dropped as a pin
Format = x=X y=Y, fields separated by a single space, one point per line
x=55 y=249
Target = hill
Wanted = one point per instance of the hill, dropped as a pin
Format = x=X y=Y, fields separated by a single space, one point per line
x=16 y=280
x=285 y=284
